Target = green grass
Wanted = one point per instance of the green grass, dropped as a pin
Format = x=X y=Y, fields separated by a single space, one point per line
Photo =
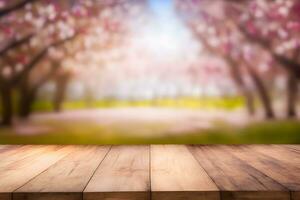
x=272 y=132
x=275 y=132
x=227 y=103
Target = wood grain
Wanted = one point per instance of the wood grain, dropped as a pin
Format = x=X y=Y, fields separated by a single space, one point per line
x=123 y=174
x=237 y=178
x=69 y=175
x=282 y=154
x=15 y=174
x=48 y=196
x=159 y=172
x=16 y=153
x=295 y=195
x=5 y=196
x=175 y=174
x=4 y=148
x=284 y=173
x=254 y=195
x=295 y=147
x=117 y=196
x=185 y=195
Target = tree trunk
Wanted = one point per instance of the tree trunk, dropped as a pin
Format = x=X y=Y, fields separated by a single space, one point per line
x=250 y=103
x=248 y=96
x=292 y=90
x=7 y=105
x=242 y=87
x=25 y=103
x=26 y=98
x=262 y=93
x=60 y=92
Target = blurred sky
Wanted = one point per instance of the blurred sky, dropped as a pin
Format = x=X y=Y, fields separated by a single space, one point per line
x=166 y=36
x=162 y=8
x=158 y=53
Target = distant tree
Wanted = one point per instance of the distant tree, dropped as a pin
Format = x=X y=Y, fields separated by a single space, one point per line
x=30 y=30
x=221 y=38
x=252 y=34
x=274 y=26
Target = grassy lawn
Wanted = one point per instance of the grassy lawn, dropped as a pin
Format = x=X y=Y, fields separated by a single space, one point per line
x=85 y=132
x=275 y=132
x=227 y=103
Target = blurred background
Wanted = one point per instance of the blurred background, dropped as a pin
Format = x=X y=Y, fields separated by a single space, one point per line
x=149 y=71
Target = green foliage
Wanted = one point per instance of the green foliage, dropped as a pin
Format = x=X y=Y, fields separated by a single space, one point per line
x=42 y=106
x=270 y=132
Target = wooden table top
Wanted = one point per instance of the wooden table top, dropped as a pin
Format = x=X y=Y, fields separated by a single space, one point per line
x=159 y=172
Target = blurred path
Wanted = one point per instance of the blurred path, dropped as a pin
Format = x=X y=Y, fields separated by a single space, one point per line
x=174 y=121
x=115 y=115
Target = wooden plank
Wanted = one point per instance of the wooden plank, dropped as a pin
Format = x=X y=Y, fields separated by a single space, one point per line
x=235 y=178
x=280 y=171
x=281 y=153
x=6 y=151
x=295 y=196
x=287 y=155
x=8 y=154
x=17 y=153
x=48 y=196
x=293 y=148
x=5 y=196
x=69 y=175
x=134 y=195
x=175 y=174
x=241 y=172
x=15 y=174
x=4 y=148
x=123 y=174
x=254 y=195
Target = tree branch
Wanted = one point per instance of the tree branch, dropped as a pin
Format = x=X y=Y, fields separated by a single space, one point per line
x=287 y=63
x=15 y=44
x=15 y=7
x=38 y=58
x=45 y=78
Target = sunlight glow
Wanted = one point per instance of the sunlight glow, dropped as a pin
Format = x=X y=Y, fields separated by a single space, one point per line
x=164 y=37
